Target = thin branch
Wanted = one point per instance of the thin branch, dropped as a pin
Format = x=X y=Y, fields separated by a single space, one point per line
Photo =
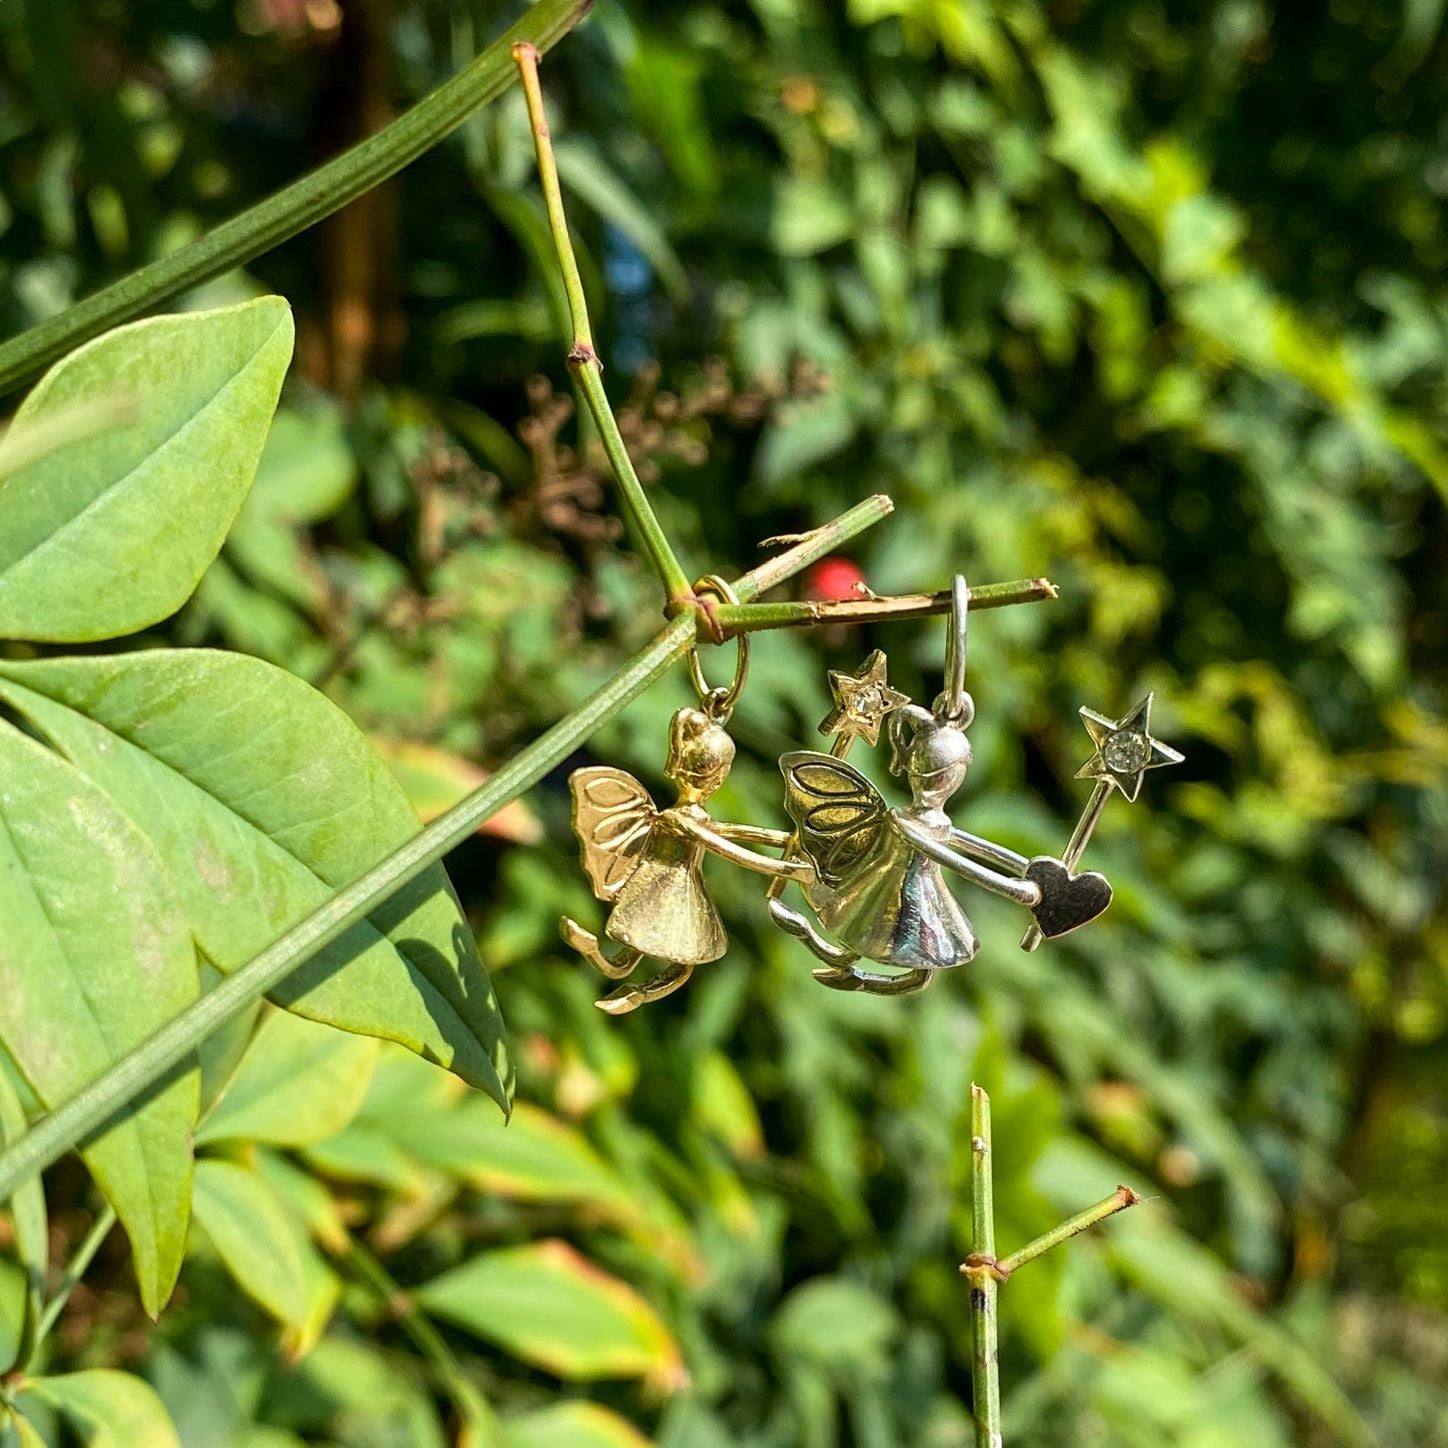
x=1118 y=1201
x=807 y=613
x=295 y=207
x=480 y=1423
x=75 y=1270
x=583 y=360
x=984 y=1283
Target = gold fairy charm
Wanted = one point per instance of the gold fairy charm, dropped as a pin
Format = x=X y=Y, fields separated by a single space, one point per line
x=647 y=862
x=879 y=886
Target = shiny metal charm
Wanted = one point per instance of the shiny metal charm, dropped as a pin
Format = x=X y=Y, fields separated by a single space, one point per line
x=1125 y=750
x=879 y=884
x=647 y=862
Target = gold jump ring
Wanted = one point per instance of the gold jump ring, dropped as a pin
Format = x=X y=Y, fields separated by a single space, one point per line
x=719 y=703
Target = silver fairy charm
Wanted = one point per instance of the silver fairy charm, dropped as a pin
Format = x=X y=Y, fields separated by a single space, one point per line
x=878 y=883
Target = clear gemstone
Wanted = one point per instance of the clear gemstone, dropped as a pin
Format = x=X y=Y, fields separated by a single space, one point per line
x=1126 y=751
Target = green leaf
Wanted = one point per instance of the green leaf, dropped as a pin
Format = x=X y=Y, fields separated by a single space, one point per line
x=838 y=1325
x=263 y=799
x=553 y=1308
x=94 y=956
x=259 y=1240
x=809 y=216
x=25 y=1433
x=28 y=1216
x=572 y=1425
x=306 y=473
x=108 y=1409
x=298 y=1082
x=15 y=1314
x=534 y=1157
x=111 y=533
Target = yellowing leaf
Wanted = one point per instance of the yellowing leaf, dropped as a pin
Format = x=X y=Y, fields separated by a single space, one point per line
x=550 y=1306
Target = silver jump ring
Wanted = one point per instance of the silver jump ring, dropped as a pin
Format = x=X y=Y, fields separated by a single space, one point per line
x=954 y=703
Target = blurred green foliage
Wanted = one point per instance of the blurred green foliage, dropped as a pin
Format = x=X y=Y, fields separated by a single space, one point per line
x=1149 y=302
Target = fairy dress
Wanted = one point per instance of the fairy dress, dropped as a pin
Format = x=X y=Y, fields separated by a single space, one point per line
x=652 y=872
x=873 y=889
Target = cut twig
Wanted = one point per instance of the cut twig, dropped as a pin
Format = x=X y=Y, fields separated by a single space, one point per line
x=987 y=1273
x=583 y=360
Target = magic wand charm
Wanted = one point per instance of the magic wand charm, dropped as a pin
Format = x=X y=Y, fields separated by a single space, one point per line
x=1125 y=750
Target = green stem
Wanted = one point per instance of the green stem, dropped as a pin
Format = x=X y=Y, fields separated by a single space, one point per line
x=525 y=56
x=980 y=1271
x=97 y=1104
x=480 y=1423
x=1118 y=1201
x=295 y=207
x=85 y=1254
x=583 y=360
x=807 y=613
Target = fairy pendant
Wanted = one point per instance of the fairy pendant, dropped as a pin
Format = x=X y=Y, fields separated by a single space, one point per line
x=647 y=862
x=879 y=884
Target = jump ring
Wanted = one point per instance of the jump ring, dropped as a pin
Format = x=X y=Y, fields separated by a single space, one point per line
x=958 y=708
x=718 y=703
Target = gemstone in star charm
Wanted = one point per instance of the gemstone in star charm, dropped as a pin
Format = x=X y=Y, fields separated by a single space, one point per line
x=862 y=701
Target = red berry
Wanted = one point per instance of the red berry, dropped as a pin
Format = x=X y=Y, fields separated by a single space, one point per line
x=832 y=579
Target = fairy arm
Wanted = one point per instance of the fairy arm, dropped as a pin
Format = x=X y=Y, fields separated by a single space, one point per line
x=989 y=852
x=754 y=835
x=1023 y=892
x=716 y=843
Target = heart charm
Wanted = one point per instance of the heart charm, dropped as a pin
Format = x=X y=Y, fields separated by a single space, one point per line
x=1067 y=901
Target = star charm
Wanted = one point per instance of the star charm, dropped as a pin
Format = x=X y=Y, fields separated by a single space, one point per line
x=861 y=701
x=1125 y=749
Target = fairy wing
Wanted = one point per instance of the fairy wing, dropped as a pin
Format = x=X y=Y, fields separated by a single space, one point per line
x=838 y=812
x=612 y=817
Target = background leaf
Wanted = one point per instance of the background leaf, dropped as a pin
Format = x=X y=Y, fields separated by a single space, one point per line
x=259 y=1240
x=576 y=1425
x=550 y=1306
x=108 y=1409
x=299 y=1082
x=112 y=532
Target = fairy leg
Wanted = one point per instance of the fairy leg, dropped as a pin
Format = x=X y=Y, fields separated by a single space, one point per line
x=909 y=982
x=630 y=997
x=792 y=922
x=839 y=972
x=588 y=945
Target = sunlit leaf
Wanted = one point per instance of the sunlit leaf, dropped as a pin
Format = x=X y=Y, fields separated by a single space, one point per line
x=532 y=1157
x=94 y=956
x=263 y=799
x=111 y=533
